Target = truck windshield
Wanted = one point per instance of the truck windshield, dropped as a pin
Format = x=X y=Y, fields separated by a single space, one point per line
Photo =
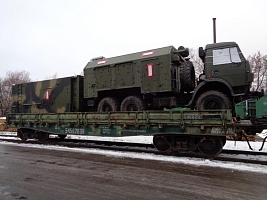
x=226 y=56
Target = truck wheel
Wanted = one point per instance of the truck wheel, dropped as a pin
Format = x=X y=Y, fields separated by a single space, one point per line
x=187 y=76
x=212 y=100
x=133 y=103
x=108 y=104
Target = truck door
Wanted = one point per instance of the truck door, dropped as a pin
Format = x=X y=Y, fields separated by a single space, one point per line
x=227 y=64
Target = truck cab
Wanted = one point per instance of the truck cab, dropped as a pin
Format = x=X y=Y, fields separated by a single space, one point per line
x=225 y=71
x=226 y=61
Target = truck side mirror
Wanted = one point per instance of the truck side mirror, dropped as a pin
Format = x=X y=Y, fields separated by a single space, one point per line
x=201 y=53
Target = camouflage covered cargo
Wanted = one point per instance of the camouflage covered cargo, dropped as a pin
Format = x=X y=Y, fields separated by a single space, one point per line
x=49 y=96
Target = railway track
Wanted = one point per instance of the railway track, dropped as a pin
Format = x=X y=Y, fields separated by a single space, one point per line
x=251 y=157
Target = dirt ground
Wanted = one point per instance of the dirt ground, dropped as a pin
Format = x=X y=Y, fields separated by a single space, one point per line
x=4 y=128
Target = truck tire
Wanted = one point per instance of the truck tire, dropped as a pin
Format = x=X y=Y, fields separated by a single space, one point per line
x=133 y=103
x=108 y=104
x=212 y=100
x=187 y=76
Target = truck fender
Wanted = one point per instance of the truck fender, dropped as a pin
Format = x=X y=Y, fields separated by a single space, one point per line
x=208 y=81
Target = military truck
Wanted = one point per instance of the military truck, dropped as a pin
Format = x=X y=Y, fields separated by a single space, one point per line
x=149 y=80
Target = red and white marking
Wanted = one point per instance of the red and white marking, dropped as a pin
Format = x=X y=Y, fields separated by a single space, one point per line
x=101 y=62
x=150 y=70
x=149 y=53
x=47 y=93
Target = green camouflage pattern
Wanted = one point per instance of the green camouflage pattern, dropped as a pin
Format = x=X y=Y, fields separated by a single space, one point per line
x=49 y=96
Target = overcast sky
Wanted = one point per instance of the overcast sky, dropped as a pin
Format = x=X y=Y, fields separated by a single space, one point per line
x=47 y=37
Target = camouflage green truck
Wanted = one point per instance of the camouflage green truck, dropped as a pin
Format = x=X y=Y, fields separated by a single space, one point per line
x=148 y=80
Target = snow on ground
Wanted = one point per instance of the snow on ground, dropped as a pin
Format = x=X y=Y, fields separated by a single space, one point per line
x=239 y=145
x=263 y=134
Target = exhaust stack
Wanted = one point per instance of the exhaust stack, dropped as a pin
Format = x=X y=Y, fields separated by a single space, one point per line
x=214 y=30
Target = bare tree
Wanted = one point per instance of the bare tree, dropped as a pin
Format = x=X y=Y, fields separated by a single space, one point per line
x=6 y=83
x=1 y=97
x=258 y=63
x=54 y=76
x=198 y=64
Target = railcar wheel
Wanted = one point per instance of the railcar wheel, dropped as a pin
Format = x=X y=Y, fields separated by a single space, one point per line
x=42 y=137
x=133 y=103
x=108 y=104
x=212 y=100
x=223 y=138
x=22 y=135
x=211 y=146
x=62 y=137
x=161 y=143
